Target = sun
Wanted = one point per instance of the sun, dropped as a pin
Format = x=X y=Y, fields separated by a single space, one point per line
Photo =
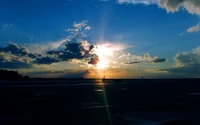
x=102 y=64
x=105 y=54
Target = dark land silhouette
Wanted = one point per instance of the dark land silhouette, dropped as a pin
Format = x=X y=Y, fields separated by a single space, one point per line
x=11 y=75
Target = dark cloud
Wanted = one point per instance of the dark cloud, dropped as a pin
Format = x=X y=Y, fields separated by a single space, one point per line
x=31 y=55
x=93 y=61
x=91 y=47
x=19 y=50
x=39 y=55
x=46 y=60
x=74 y=50
x=52 y=52
x=15 y=49
x=146 y=56
x=75 y=47
x=194 y=69
x=65 y=56
x=71 y=50
x=132 y=62
x=157 y=60
x=187 y=64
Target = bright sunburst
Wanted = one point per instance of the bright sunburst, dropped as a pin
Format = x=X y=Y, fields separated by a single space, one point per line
x=102 y=64
x=105 y=54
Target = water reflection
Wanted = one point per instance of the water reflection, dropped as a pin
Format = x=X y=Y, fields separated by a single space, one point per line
x=98 y=90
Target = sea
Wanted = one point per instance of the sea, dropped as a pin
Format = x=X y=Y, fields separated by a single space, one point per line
x=100 y=101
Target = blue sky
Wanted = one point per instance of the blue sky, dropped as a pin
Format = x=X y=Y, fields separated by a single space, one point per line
x=163 y=29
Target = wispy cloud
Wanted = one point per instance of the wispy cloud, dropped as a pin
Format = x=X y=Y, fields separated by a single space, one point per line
x=134 y=59
x=194 y=28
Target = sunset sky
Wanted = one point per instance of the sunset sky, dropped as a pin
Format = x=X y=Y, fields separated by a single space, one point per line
x=93 y=38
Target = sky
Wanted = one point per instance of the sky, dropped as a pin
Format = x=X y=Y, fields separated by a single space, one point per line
x=93 y=38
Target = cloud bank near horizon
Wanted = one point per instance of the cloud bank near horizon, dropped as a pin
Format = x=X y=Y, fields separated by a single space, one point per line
x=192 y=6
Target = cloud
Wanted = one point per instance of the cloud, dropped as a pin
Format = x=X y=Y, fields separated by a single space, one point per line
x=56 y=45
x=15 y=49
x=87 y=28
x=80 y=25
x=132 y=62
x=133 y=59
x=93 y=61
x=13 y=62
x=188 y=58
x=187 y=64
x=79 y=29
x=54 y=52
x=192 y=6
x=158 y=60
x=31 y=55
x=155 y=60
x=194 y=28
x=72 y=47
x=145 y=59
x=46 y=60
x=18 y=50
x=74 y=50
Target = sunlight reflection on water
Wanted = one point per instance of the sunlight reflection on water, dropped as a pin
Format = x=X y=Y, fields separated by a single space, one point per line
x=98 y=90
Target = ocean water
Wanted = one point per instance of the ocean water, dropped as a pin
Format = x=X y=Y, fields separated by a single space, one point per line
x=95 y=102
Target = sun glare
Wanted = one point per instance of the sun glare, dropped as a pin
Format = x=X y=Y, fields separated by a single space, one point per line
x=105 y=54
x=103 y=50
x=102 y=64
